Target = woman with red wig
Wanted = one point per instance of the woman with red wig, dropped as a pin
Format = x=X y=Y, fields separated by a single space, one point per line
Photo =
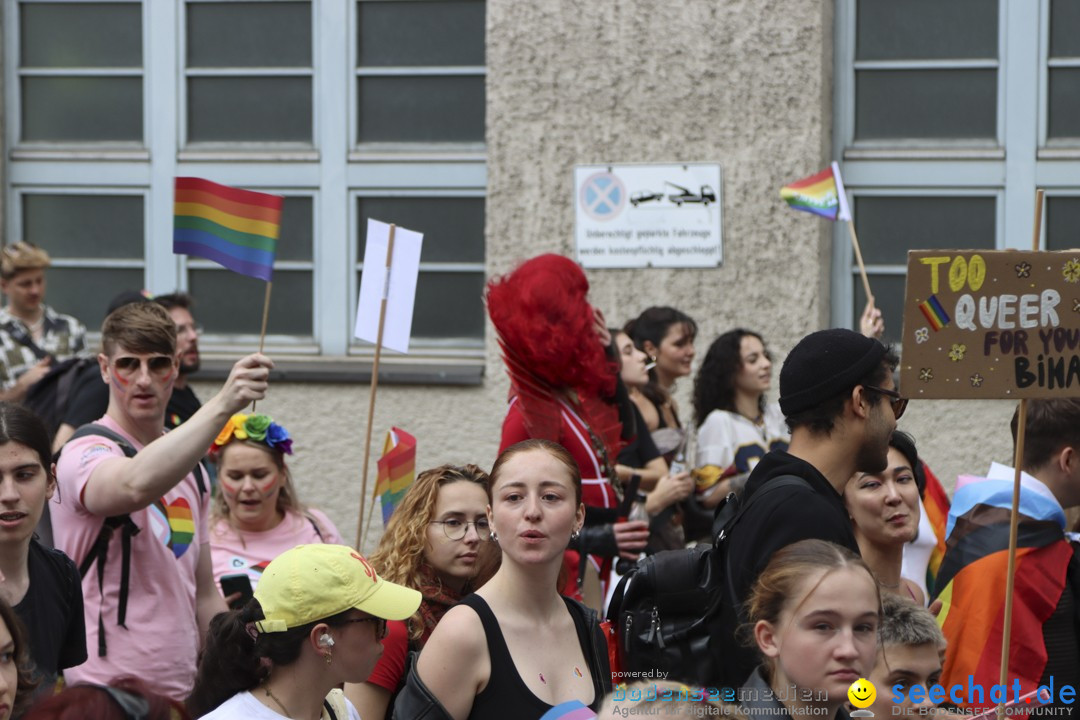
x=562 y=388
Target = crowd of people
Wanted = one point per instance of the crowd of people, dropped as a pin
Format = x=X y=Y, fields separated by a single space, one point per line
x=164 y=566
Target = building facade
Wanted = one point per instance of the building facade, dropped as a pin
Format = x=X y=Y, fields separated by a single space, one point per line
x=464 y=119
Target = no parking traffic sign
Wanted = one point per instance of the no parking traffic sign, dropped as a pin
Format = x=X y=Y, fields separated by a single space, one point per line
x=648 y=215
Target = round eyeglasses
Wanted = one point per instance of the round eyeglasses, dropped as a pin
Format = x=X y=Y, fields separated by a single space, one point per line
x=457 y=529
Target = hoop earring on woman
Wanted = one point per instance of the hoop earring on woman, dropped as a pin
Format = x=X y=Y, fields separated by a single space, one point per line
x=575 y=535
x=495 y=537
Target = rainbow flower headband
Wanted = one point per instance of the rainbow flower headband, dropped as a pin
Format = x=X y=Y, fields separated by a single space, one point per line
x=257 y=427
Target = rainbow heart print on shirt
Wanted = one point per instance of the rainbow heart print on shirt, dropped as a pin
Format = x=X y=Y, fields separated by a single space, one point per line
x=173 y=525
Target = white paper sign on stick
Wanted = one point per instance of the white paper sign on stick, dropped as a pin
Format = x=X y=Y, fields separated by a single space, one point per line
x=401 y=294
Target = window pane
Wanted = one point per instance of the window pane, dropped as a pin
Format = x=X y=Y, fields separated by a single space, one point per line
x=453 y=228
x=290 y=302
x=249 y=108
x=297 y=232
x=249 y=34
x=1062 y=223
x=421 y=109
x=420 y=33
x=85 y=293
x=85 y=226
x=1064 y=21
x=888 y=297
x=925 y=104
x=82 y=108
x=926 y=29
x=80 y=35
x=890 y=226
x=448 y=305
x=1064 y=103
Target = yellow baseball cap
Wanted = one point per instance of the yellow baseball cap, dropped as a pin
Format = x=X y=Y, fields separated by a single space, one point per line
x=313 y=582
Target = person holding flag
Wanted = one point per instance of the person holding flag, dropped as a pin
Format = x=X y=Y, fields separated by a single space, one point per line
x=148 y=586
x=1045 y=644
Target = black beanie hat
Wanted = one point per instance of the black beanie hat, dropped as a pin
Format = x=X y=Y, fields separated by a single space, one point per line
x=824 y=364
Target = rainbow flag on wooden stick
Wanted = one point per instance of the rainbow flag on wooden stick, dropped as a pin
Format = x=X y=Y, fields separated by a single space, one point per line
x=235 y=228
x=397 y=468
x=822 y=194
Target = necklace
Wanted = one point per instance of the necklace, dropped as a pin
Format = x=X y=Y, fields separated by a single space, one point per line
x=280 y=704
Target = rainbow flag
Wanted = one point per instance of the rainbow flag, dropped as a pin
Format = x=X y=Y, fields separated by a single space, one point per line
x=972 y=579
x=934 y=313
x=936 y=503
x=235 y=228
x=397 y=468
x=822 y=194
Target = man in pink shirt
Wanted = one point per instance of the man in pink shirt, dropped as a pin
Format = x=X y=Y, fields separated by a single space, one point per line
x=147 y=606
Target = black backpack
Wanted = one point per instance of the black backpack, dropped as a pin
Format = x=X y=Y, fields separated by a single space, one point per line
x=673 y=609
x=99 y=551
x=50 y=396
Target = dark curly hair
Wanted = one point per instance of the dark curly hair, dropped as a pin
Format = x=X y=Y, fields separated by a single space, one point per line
x=714 y=386
x=652 y=325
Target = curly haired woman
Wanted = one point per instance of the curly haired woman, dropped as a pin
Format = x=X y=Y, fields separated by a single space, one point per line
x=436 y=542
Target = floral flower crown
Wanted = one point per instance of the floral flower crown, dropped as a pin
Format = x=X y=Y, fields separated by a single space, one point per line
x=257 y=427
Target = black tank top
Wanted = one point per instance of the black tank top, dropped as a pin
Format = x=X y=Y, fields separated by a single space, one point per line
x=506 y=692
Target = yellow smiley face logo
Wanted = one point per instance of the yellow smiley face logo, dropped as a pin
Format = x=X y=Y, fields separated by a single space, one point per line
x=862 y=693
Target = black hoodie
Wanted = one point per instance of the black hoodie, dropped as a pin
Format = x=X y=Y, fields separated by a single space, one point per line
x=779 y=519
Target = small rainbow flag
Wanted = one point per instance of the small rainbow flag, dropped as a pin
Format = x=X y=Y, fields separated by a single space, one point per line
x=235 y=228
x=397 y=468
x=822 y=194
x=934 y=313
x=936 y=502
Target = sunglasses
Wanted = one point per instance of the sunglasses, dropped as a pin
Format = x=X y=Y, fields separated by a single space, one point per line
x=380 y=625
x=899 y=403
x=159 y=365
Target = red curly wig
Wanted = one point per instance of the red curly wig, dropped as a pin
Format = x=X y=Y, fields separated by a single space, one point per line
x=546 y=323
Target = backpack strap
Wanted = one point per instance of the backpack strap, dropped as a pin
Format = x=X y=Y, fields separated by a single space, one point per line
x=19 y=335
x=99 y=551
x=315 y=527
x=598 y=655
x=784 y=481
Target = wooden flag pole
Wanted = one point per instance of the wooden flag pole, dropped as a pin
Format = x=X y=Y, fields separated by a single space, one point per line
x=858 y=258
x=1014 y=515
x=374 y=387
x=262 y=333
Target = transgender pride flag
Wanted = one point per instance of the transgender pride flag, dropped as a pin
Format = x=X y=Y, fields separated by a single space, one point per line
x=822 y=194
x=235 y=228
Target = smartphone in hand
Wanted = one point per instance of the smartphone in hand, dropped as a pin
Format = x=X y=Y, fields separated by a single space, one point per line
x=239 y=583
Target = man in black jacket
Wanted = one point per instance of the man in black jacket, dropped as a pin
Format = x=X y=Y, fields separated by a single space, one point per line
x=840 y=401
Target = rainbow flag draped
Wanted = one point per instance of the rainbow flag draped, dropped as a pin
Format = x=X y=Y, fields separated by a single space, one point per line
x=235 y=228
x=397 y=468
x=973 y=576
x=822 y=194
x=936 y=503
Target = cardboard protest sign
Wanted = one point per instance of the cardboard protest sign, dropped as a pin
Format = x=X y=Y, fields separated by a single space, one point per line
x=991 y=324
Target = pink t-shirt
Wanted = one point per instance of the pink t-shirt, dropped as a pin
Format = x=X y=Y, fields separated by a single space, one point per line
x=236 y=552
x=160 y=640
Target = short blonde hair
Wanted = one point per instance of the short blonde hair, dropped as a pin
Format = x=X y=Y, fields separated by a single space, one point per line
x=22 y=256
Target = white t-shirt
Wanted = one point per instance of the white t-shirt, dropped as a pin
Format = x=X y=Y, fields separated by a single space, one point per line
x=735 y=445
x=245 y=706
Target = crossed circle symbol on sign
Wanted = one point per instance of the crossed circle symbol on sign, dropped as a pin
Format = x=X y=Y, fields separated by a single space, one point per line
x=602 y=196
